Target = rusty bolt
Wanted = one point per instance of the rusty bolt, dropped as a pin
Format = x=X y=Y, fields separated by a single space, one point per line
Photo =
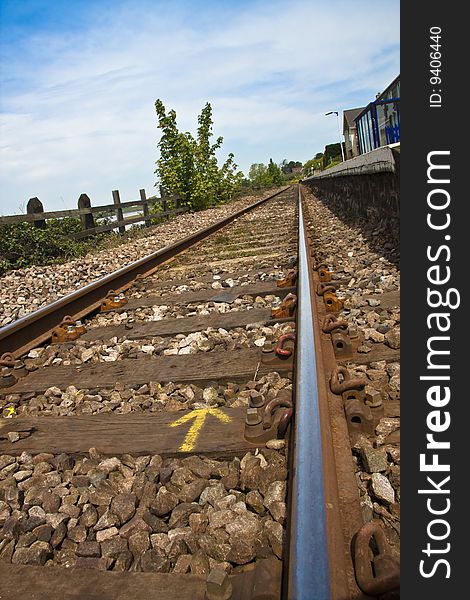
x=256 y=399
x=268 y=346
x=218 y=585
x=373 y=397
x=353 y=331
x=8 y=379
x=252 y=416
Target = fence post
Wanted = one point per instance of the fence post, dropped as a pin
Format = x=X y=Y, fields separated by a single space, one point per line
x=119 y=215
x=88 y=222
x=145 y=206
x=35 y=206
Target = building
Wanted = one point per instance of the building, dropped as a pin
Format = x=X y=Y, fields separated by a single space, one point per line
x=378 y=124
x=349 y=131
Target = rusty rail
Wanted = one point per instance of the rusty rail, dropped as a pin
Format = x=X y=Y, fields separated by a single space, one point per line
x=35 y=328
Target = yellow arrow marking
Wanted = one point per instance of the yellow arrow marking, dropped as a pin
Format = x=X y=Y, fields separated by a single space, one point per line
x=199 y=415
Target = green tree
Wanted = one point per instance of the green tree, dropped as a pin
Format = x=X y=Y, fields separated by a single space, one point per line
x=175 y=167
x=314 y=164
x=188 y=167
x=332 y=154
x=274 y=173
x=258 y=175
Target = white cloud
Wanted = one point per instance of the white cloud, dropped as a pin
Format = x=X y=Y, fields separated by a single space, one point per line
x=82 y=116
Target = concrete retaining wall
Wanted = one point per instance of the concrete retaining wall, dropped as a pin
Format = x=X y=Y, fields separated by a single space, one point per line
x=365 y=187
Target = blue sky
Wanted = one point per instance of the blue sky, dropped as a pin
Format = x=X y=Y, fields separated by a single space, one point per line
x=79 y=79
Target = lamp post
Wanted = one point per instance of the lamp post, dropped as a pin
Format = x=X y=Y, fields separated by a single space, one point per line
x=335 y=112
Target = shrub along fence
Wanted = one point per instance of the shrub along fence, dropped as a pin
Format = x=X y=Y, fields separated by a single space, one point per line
x=166 y=206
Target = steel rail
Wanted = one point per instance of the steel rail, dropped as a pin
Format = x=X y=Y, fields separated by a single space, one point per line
x=308 y=577
x=36 y=327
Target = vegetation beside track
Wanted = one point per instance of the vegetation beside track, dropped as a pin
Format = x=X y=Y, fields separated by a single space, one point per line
x=23 y=245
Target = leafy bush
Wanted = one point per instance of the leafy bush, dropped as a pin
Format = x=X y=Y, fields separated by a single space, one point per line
x=188 y=166
x=23 y=244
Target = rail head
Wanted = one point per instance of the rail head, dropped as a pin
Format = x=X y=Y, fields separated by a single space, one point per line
x=308 y=552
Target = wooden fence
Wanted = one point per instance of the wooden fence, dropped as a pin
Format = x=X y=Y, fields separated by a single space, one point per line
x=37 y=215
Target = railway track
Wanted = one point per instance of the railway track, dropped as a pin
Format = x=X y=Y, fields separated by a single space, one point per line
x=193 y=429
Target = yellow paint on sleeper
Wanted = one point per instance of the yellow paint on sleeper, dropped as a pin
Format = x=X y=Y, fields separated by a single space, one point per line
x=199 y=415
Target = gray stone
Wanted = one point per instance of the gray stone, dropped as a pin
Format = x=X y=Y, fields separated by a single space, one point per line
x=367 y=508
x=276 y=444
x=255 y=501
x=26 y=540
x=164 y=503
x=278 y=511
x=159 y=540
x=88 y=549
x=13 y=527
x=133 y=526
x=105 y=534
x=89 y=516
x=198 y=522
x=181 y=477
x=394 y=453
x=55 y=519
x=212 y=493
x=227 y=502
x=274 y=534
x=247 y=525
x=123 y=506
x=139 y=542
x=392 y=338
x=276 y=492
x=382 y=488
x=58 y=535
x=50 y=502
x=242 y=550
x=219 y=518
x=254 y=477
x=374 y=459
x=77 y=534
x=180 y=514
x=193 y=490
x=230 y=480
x=175 y=548
x=6 y=460
x=43 y=533
x=123 y=561
x=107 y=520
x=198 y=466
x=36 y=554
x=199 y=563
x=154 y=560
x=113 y=546
x=387 y=425
x=183 y=564
x=212 y=547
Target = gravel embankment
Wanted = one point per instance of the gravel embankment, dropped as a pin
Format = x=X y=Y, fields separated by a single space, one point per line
x=25 y=290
